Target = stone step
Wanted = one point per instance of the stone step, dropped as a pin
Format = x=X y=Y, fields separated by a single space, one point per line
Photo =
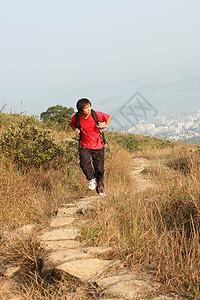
x=87 y=269
x=67 y=255
x=71 y=208
x=58 y=257
x=61 y=234
x=62 y=221
x=64 y=212
x=83 y=203
x=60 y=245
x=78 y=204
x=127 y=286
x=101 y=251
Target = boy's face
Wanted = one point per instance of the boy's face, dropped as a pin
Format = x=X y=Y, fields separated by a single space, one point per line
x=86 y=110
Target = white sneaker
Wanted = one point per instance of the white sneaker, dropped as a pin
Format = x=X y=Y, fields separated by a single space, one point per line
x=92 y=184
x=102 y=194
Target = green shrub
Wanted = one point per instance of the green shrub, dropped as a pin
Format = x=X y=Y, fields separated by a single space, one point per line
x=30 y=145
x=127 y=141
x=133 y=142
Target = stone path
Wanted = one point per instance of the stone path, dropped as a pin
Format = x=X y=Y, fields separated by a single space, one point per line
x=89 y=264
x=139 y=167
x=66 y=252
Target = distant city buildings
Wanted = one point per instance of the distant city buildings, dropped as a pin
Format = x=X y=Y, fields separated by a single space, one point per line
x=182 y=126
x=160 y=121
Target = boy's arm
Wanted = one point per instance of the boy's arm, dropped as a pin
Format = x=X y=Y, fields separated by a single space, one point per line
x=73 y=125
x=77 y=131
x=104 y=125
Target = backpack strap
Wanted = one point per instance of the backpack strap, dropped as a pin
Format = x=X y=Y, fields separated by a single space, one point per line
x=77 y=119
x=78 y=123
x=94 y=115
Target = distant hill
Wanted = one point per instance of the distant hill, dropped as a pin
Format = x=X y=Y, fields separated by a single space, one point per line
x=195 y=140
x=166 y=97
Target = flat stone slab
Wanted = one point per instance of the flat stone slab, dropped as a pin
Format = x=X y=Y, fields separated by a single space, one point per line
x=83 y=203
x=86 y=269
x=63 y=212
x=60 y=245
x=86 y=201
x=72 y=209
x=60 y=234
x=64 y=221
x=59 y=257
x=94 y=251
x=128 y=286
x=67 y=205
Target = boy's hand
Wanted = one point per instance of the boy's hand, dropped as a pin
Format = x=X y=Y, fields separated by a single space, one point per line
x=77 y=131
x=102 y=126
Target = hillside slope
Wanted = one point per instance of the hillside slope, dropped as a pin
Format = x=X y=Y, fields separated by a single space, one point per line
x=155 y=228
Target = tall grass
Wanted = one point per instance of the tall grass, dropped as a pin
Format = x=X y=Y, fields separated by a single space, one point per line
x=155 y=230
x=32 y=195
x=158 y=229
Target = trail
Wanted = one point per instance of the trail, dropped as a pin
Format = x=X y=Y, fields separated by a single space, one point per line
x=92 y=265
x=139 y=167
x=100 y=276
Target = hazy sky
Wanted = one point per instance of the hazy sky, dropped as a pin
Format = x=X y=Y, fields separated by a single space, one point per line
x=57 y=51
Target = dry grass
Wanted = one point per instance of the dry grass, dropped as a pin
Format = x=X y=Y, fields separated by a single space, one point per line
x=35 y=195
x=9 y=290
x=156 y=229
x=28 y=282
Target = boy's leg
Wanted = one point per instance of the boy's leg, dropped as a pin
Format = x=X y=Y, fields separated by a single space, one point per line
x=98 y=163
x=85 y=163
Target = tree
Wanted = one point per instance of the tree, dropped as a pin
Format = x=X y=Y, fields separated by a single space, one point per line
x=58 y=114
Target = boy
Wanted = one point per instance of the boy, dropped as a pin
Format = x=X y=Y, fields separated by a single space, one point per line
x=91 y=144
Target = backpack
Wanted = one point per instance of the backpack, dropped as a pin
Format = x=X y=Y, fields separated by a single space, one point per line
x=94 y=115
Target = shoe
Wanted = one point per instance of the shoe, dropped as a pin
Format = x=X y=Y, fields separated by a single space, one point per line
x=100 y=189
x=102 y=194
x=92 y=184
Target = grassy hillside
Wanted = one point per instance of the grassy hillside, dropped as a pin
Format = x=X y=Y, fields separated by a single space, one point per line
x=155 y=229
x=133 y=142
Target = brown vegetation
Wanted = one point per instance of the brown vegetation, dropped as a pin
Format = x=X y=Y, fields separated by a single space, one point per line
x=156 y=230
